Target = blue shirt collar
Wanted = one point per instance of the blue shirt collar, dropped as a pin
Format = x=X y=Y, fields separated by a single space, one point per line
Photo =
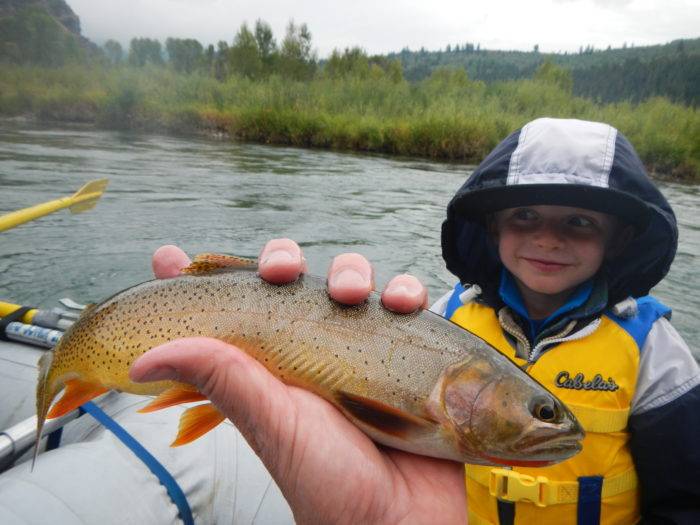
x=510 y=294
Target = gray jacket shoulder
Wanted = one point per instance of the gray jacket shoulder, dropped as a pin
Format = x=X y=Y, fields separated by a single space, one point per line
x=667 y=368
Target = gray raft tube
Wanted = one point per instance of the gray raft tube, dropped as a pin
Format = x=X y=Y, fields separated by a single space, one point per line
x=94 y=478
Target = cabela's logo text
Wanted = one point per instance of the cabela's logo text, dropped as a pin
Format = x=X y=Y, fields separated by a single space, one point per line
x=578 y=382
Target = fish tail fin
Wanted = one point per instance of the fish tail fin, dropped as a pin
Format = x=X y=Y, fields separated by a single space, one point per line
x=196 y=422
x=77 y=393
x=43 y=399
x=173 y=396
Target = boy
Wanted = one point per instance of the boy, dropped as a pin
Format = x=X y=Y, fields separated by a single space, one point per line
x=558 y=226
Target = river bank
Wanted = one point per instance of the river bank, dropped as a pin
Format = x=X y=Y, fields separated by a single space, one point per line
x=446 y=117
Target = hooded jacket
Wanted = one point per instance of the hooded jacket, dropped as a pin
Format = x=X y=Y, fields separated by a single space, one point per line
x=567 y=163
x=591 y=165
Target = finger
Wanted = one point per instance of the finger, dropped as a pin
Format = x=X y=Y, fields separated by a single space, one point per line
x=405 y=294
x=168 y=260
x=281 y=261
x=238 y=385
x=350 y=278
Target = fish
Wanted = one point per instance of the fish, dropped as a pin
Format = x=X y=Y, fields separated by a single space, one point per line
x=415 y=382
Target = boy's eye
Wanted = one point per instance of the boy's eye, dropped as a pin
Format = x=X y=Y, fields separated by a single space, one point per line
x=580 y=222
x=524 y=214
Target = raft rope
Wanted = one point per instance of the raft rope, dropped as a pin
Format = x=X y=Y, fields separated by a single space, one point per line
x=166 y=479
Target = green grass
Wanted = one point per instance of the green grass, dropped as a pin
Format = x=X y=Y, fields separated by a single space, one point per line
x=444 y=117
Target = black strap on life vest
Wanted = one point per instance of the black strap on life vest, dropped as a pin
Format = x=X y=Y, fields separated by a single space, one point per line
x=506 y=512
x=590 y=489
x=16 y=315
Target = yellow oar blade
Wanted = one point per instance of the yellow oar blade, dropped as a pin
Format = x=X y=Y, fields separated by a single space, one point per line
x=83 y=200
x=87 y=196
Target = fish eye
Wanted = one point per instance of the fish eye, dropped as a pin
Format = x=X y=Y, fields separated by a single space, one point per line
x=544 y=410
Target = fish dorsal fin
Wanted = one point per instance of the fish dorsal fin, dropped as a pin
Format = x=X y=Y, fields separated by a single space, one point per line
x=208 y=262
x=88 y=308
x=171 y=397
x=196 y=422
x=77 y=393
x=385 y=418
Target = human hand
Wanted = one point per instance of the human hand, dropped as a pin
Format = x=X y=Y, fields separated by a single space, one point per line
x=328 y=470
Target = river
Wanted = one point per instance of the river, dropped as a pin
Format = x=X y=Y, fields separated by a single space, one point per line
x=209 y=195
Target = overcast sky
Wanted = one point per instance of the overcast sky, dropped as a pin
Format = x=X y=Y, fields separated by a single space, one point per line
x=384 y=26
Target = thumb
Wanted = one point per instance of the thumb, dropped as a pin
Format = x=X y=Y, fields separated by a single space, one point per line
x=255 y=401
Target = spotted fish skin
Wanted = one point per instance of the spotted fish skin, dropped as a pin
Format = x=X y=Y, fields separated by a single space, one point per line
x=388 y=373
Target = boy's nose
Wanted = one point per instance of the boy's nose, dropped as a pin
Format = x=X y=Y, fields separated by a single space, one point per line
x=549 y=236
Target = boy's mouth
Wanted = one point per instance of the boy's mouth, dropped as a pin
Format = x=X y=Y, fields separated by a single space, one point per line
x=545 y=265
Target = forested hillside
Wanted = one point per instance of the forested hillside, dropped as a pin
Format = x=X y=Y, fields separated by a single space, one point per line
x=628 y=73
x=41 y=32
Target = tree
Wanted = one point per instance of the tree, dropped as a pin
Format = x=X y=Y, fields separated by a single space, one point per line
x=550 y=73
x=114 y=52
x=297 y=59
x=267 y=47
x=144 y=51
x=186 y=55
x=244 y=55
x=210 y=58
x=221 y=61
x=353 y=62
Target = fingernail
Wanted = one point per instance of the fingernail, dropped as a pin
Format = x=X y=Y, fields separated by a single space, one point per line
x=277 y=256
x=347 y=278
x=405 y=289
x=157 y=374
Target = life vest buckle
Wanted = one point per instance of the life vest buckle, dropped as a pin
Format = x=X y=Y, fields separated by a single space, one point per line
x=508 y=485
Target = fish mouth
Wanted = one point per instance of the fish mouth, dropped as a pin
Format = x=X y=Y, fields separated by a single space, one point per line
x=547 y=454
x=546 y=447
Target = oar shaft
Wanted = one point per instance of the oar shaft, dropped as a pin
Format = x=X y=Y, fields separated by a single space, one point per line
x=18 y=217
x=8 y=308
x=83 y=200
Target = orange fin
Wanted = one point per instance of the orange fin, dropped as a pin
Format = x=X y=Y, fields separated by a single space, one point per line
x=207 y=262
x=384 y=418
x=77 y=392
x=172 y=396
x=196 y=422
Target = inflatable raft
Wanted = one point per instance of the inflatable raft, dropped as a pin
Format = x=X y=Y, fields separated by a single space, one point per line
x=85 y=473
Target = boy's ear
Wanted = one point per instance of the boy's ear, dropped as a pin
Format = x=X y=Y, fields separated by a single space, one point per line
x=492 y=227
x=619 y=241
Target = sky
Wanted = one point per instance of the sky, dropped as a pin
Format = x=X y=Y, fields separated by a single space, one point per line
x=382 y=27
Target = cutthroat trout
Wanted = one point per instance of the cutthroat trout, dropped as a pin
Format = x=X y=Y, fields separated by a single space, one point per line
x=415 y=382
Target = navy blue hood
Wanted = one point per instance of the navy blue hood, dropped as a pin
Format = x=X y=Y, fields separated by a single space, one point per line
x=567 y=163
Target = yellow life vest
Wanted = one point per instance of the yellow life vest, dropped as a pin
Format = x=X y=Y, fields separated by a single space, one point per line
x=595 y=376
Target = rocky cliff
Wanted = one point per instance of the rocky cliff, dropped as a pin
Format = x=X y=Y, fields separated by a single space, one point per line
x=58 y=9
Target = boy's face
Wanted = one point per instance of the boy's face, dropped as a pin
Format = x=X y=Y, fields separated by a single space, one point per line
x=552 y=249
